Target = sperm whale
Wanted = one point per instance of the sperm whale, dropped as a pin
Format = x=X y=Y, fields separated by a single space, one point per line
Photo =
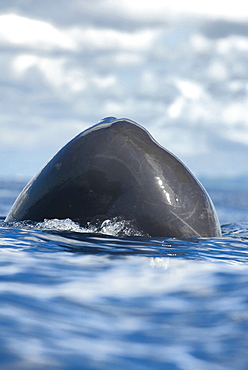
x=117 y=169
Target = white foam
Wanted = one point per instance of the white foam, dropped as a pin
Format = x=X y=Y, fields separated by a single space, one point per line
x=114 y=227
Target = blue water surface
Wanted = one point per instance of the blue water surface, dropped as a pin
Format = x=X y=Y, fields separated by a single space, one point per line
x=72 y=298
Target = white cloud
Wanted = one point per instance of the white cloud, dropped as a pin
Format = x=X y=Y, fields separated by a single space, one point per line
x=160 y=9
x=176 y=108
x=232 y=44
x=23 y=62
x=236 y=119
x=22 y=31
x=189 y=90
x=105 y=82
x=201 y=43
x=218 y=70
x=53 y=70
x=126 y=58
x=111 y=39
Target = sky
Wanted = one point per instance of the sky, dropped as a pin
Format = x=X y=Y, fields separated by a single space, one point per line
x=180 y=70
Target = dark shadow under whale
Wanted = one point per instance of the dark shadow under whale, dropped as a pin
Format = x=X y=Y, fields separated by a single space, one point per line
x=116 y=169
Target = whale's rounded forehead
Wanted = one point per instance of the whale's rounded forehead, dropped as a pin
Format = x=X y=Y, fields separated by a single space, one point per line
x=117 y=169
x=113 y=122
x=122 y=137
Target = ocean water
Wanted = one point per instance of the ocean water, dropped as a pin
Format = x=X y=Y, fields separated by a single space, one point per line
x=73 y=298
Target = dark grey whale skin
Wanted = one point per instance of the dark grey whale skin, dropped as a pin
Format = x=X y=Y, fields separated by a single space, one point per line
x=116 y=169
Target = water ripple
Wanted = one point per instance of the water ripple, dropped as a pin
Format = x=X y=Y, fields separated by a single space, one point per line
x=232 y=247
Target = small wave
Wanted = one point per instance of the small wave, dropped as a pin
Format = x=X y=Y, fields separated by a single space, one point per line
x=118 y=237
x=235 y=230
x=67 y=236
